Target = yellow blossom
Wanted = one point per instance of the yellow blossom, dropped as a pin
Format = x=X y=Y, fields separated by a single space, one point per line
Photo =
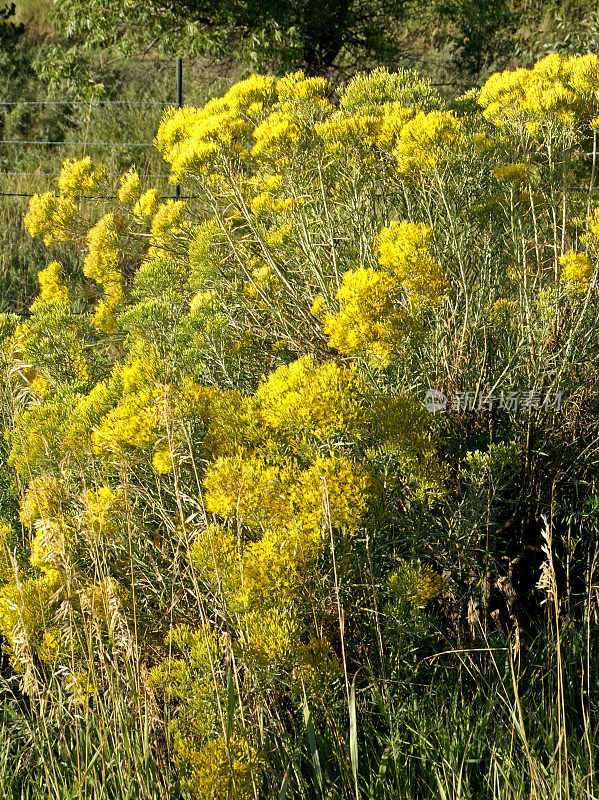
x=514 y=173
x=103 y=512
x=305 y=396
x=51 y=288
x=424 y=138
x=367 y=319
x=77 y=175
x=162 y=460
x=51 y=217
x=576 y=270
x=129 y=186
x=404 y=250
x=147 y=204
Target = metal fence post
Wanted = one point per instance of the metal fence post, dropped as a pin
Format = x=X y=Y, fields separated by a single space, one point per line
x=179 y=104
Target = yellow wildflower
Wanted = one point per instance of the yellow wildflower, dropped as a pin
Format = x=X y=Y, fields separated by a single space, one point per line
x=404 y=250
x=304 y=396
x=576 y=270
x=51 y=217
x=514 y=173
x=77 y=175
x=162 y=460
x=367 y=319
x=147 y=204
x=423 y=138
x=52 y=290
x=129 y=186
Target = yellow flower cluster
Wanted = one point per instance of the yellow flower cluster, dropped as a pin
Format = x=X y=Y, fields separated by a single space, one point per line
x=79 y=686
x=169 y=228
x=252 y=91
x=264 y=203
x=41 y=510
x=305 y=396
x=51 y=217
x=78 y=175
x=349 y=129
x=162 y=460
x=404 y=250
x=103 y=601
x=367 y=320
x=510 y=173
x=482 y=143
x=26 y=616
x=190 y=139
x=263 y=280
x=212 y=766
x=52 y=290
x=214 y=556
x=202 y=300
x=147 y=204
x=129 y=186
x=503 y=311
x=102 y=265
x=277 y=134
x=297 y=87
x=103 y=513
x=391 y=121
x=412 y=586
x=558 y=88
x=424 y=138
x=576 y=270
x=219 y=769
x=131 y=423
x=87 y=412
x=273 y=635
x=6 y=566
x=291 y=507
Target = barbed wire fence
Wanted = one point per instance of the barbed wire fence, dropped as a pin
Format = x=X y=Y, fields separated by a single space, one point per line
x=85 y=143
x=115 y=144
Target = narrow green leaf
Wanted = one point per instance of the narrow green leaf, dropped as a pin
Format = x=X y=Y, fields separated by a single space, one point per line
x=313 y=747
x=353 y=735
x=230 y=704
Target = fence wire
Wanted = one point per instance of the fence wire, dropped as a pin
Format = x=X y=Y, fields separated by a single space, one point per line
x=84 y=103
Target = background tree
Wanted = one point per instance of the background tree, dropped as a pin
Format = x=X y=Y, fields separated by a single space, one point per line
x=284 y=34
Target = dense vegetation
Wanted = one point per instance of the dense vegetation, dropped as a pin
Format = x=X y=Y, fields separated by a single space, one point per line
x=247 y=560
x=298 y=475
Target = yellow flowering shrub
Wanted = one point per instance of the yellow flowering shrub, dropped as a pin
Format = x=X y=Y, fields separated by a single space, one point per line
x=215 y=557
x=103 y=512
x=51 y=217
x=367 y=320
x=306 y=397
x=424 y=139
x=52 y=290
x=576 y=270
x=272 y=635
x=131 y=423
x=147 y=204
x=212 y=765
x=404 y=250
x=6 y=565
x=217 y=420
x=514 y=173
x=78 y=175
x=26 y=615
x=220 y=768
x=411 y=588
x=129 y=186
x=557 y=87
